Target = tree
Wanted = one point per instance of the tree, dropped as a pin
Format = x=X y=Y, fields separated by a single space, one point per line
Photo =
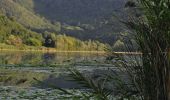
x=49 y=39
x=119 y=46
x=49 y=42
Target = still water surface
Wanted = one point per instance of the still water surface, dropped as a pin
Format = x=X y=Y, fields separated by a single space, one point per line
x=47 y=58
x=10 y=74
x=20 y=83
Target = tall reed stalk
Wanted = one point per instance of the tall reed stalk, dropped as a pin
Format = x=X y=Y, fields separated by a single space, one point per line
x=153 y=38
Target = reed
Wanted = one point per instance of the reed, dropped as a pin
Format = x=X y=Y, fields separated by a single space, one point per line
x=152 y=34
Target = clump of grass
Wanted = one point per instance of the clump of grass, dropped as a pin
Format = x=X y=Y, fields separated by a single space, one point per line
x=152 y=34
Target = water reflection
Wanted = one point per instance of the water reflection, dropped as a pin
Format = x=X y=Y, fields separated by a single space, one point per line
x=46 y=58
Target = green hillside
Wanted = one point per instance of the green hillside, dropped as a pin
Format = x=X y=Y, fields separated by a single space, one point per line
x=24 y=16
x=14 y=34
x=83 y=19
x=96 y=20
x=75 y=11
x=28 y=4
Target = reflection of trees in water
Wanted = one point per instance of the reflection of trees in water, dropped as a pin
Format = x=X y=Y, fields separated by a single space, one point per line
x=20 y=58
x=46 y=58
x=32 y=58
x=77 y=57
x=10 y=58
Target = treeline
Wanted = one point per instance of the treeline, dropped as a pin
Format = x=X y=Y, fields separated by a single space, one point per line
x=63 y=42
x=124 y=42
x=13 y=33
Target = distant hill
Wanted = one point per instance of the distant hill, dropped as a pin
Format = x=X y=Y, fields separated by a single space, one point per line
x=83 y=19
x=95 y=18
x=77 y=11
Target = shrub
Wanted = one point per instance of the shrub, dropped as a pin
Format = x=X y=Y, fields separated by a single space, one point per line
x=33 y=42
x=14 y=40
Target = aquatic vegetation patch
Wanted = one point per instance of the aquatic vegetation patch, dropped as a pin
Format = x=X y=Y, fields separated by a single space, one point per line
x=16 y=93
x=19 y=77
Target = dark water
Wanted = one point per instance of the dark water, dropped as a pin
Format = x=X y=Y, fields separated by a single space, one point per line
x=37 y=58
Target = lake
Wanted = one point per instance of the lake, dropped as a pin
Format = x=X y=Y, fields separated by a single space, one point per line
x=20 y=69
x=38 y=58
x=31 y=74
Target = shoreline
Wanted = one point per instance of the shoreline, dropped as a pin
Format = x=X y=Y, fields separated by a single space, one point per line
x=129 y=53
x=50 y=50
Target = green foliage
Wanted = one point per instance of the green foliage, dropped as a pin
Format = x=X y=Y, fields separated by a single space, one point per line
x=98 y=91
x=24 y=15
x=12 y=33
x=144 y=76
x=17 y=77
x=14 y=40
x=64 y=42
x=119 y=46
x=81 y=19
x=28 y=4
x=15 y=34
x=33 y=42
x=16 y=20
x=153 y=38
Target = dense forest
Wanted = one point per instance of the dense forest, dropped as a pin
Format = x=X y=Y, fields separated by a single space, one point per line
x=90 y=19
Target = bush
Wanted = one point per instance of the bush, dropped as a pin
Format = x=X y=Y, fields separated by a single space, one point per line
x=14 y=40
x=33 y=42
x=119 y=46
